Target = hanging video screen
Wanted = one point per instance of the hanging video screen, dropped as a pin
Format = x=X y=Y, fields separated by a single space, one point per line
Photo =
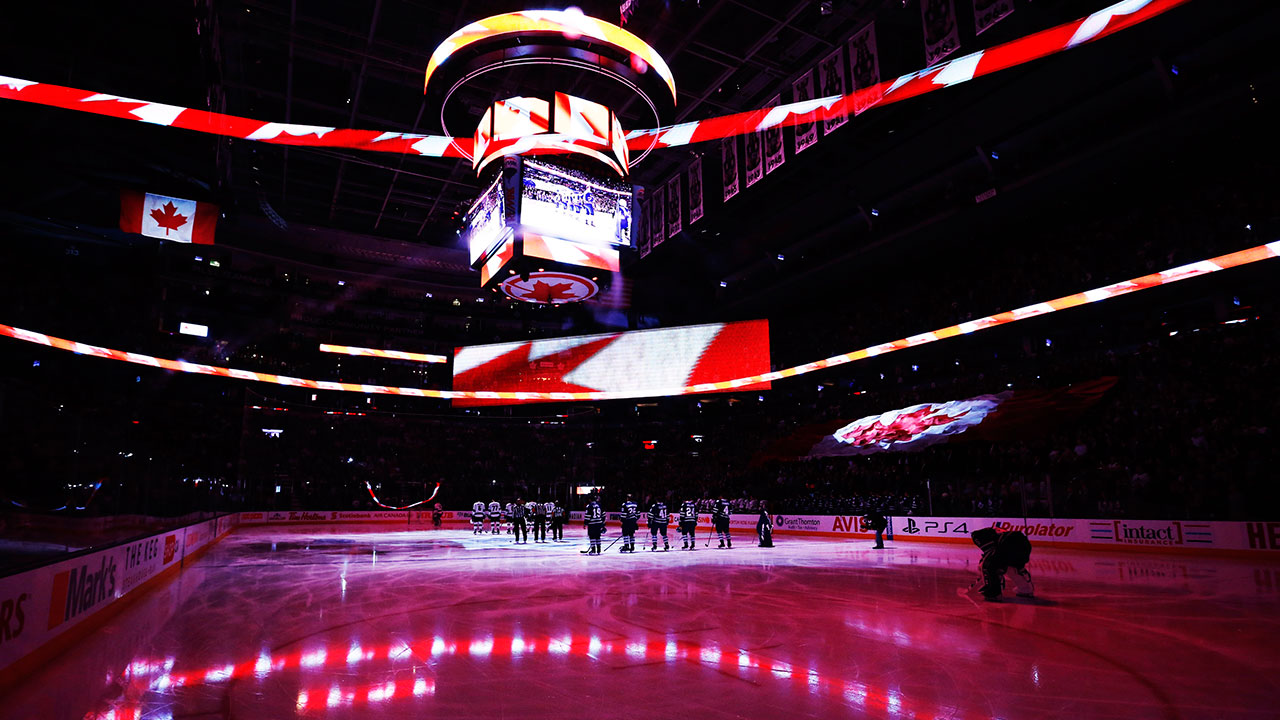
x=484 y=222
x=574 y=205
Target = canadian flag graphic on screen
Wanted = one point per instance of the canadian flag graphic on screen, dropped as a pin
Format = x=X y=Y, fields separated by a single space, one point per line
x=167 y=218
x=632 y=364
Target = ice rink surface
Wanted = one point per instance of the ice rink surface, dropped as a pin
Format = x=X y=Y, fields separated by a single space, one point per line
x=370 y=623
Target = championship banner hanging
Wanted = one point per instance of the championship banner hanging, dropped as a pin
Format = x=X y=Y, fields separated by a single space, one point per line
x=774 y=154
x=659 y=226
x=729 y=166
x=673 y=207
x=989 y=12
x=806 y=130
x=831 y=76
x=167 y=218
x=941 y=33
x=864 y=58
x=695 y=190
x=752 y=157
x=644 y=242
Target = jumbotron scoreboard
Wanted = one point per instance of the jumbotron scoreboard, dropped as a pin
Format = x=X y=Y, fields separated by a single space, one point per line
x=551 y=233
x=557 y=214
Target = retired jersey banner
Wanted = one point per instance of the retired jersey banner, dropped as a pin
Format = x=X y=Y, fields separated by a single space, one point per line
x=774 y=154
x=989 y=12
x=865 y=61
x=673 y=207
x=807 y=130
x=729 y=166
x=831 y=77
x=753 y=157
x=658 y=224
x=695 y=190
x=643 y=239
x=1004 y=416
x=167 y=218
x=941 y=33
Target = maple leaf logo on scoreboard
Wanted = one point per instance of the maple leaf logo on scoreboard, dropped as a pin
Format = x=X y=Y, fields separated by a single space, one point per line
x=642 y=363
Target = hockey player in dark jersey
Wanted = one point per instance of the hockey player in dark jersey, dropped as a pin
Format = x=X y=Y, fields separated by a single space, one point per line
x=518 y=526
x=437 y=516
x=1005 y=553
x=877 y=522
x=539 y=522
x=688 y=525
x=764 y=527
x=659 y=519
x=630 y=513
x=557 y=522
x=720 y=514
x=593 y=520
x=477 y=517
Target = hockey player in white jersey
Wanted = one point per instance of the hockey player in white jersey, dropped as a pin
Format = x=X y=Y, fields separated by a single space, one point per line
x=507 y=521
x=477 y=517
x=495 y=517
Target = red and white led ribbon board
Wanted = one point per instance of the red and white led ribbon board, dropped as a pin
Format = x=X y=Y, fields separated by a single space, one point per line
x=389 y=354
x=1105 y=22
x=1166 y=277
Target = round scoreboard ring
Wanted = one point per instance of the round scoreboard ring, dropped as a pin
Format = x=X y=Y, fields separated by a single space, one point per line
x=545 y=51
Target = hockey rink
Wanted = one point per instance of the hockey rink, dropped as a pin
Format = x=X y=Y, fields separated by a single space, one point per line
x=314 y=622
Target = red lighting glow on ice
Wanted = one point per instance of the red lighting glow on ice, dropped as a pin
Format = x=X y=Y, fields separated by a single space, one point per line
x=1125 y=287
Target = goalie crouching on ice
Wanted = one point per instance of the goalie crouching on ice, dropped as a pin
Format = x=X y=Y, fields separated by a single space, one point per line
x=1003 y=552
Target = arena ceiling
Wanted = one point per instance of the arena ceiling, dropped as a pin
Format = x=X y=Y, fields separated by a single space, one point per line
x=361 y=64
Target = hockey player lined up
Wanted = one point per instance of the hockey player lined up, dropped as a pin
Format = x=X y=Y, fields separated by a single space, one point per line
x=495 y=517
x=540 y=522
x=477 y=517
x=518 y=526
x=658 y=522
x=437 y=516
x=506 y=518
x=557 y=522
x=720 y=513
x=593 y=519
x=630 y=513
x=1004 y=554
x=688 y=525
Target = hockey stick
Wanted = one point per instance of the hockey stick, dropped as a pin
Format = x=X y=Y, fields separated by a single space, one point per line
x=709 y=533
x=615 y=542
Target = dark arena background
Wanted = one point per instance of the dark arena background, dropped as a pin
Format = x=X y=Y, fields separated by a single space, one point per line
x=671 y=358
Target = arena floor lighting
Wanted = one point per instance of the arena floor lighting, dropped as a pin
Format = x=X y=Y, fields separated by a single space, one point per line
x=1125 y=287
x=1104 y=22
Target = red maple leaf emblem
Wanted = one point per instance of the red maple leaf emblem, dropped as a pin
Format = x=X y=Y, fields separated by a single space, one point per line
x=170 y=219
x=545 y=293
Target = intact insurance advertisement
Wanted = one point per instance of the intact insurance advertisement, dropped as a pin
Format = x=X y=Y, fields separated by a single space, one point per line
x=40 y=604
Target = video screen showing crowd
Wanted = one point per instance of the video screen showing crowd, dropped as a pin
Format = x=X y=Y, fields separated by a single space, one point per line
x=518 y=519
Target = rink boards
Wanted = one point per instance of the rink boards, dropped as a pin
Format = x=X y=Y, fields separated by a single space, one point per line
x=44 y=610
x=1165 y=535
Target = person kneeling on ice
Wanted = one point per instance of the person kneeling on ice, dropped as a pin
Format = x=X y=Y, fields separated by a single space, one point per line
x=1003 y=552
x=593 y=520
x=764 y=527
x=877 y=522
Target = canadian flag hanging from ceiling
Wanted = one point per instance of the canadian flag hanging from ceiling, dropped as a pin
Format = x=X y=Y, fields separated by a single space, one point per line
x=167 y=218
